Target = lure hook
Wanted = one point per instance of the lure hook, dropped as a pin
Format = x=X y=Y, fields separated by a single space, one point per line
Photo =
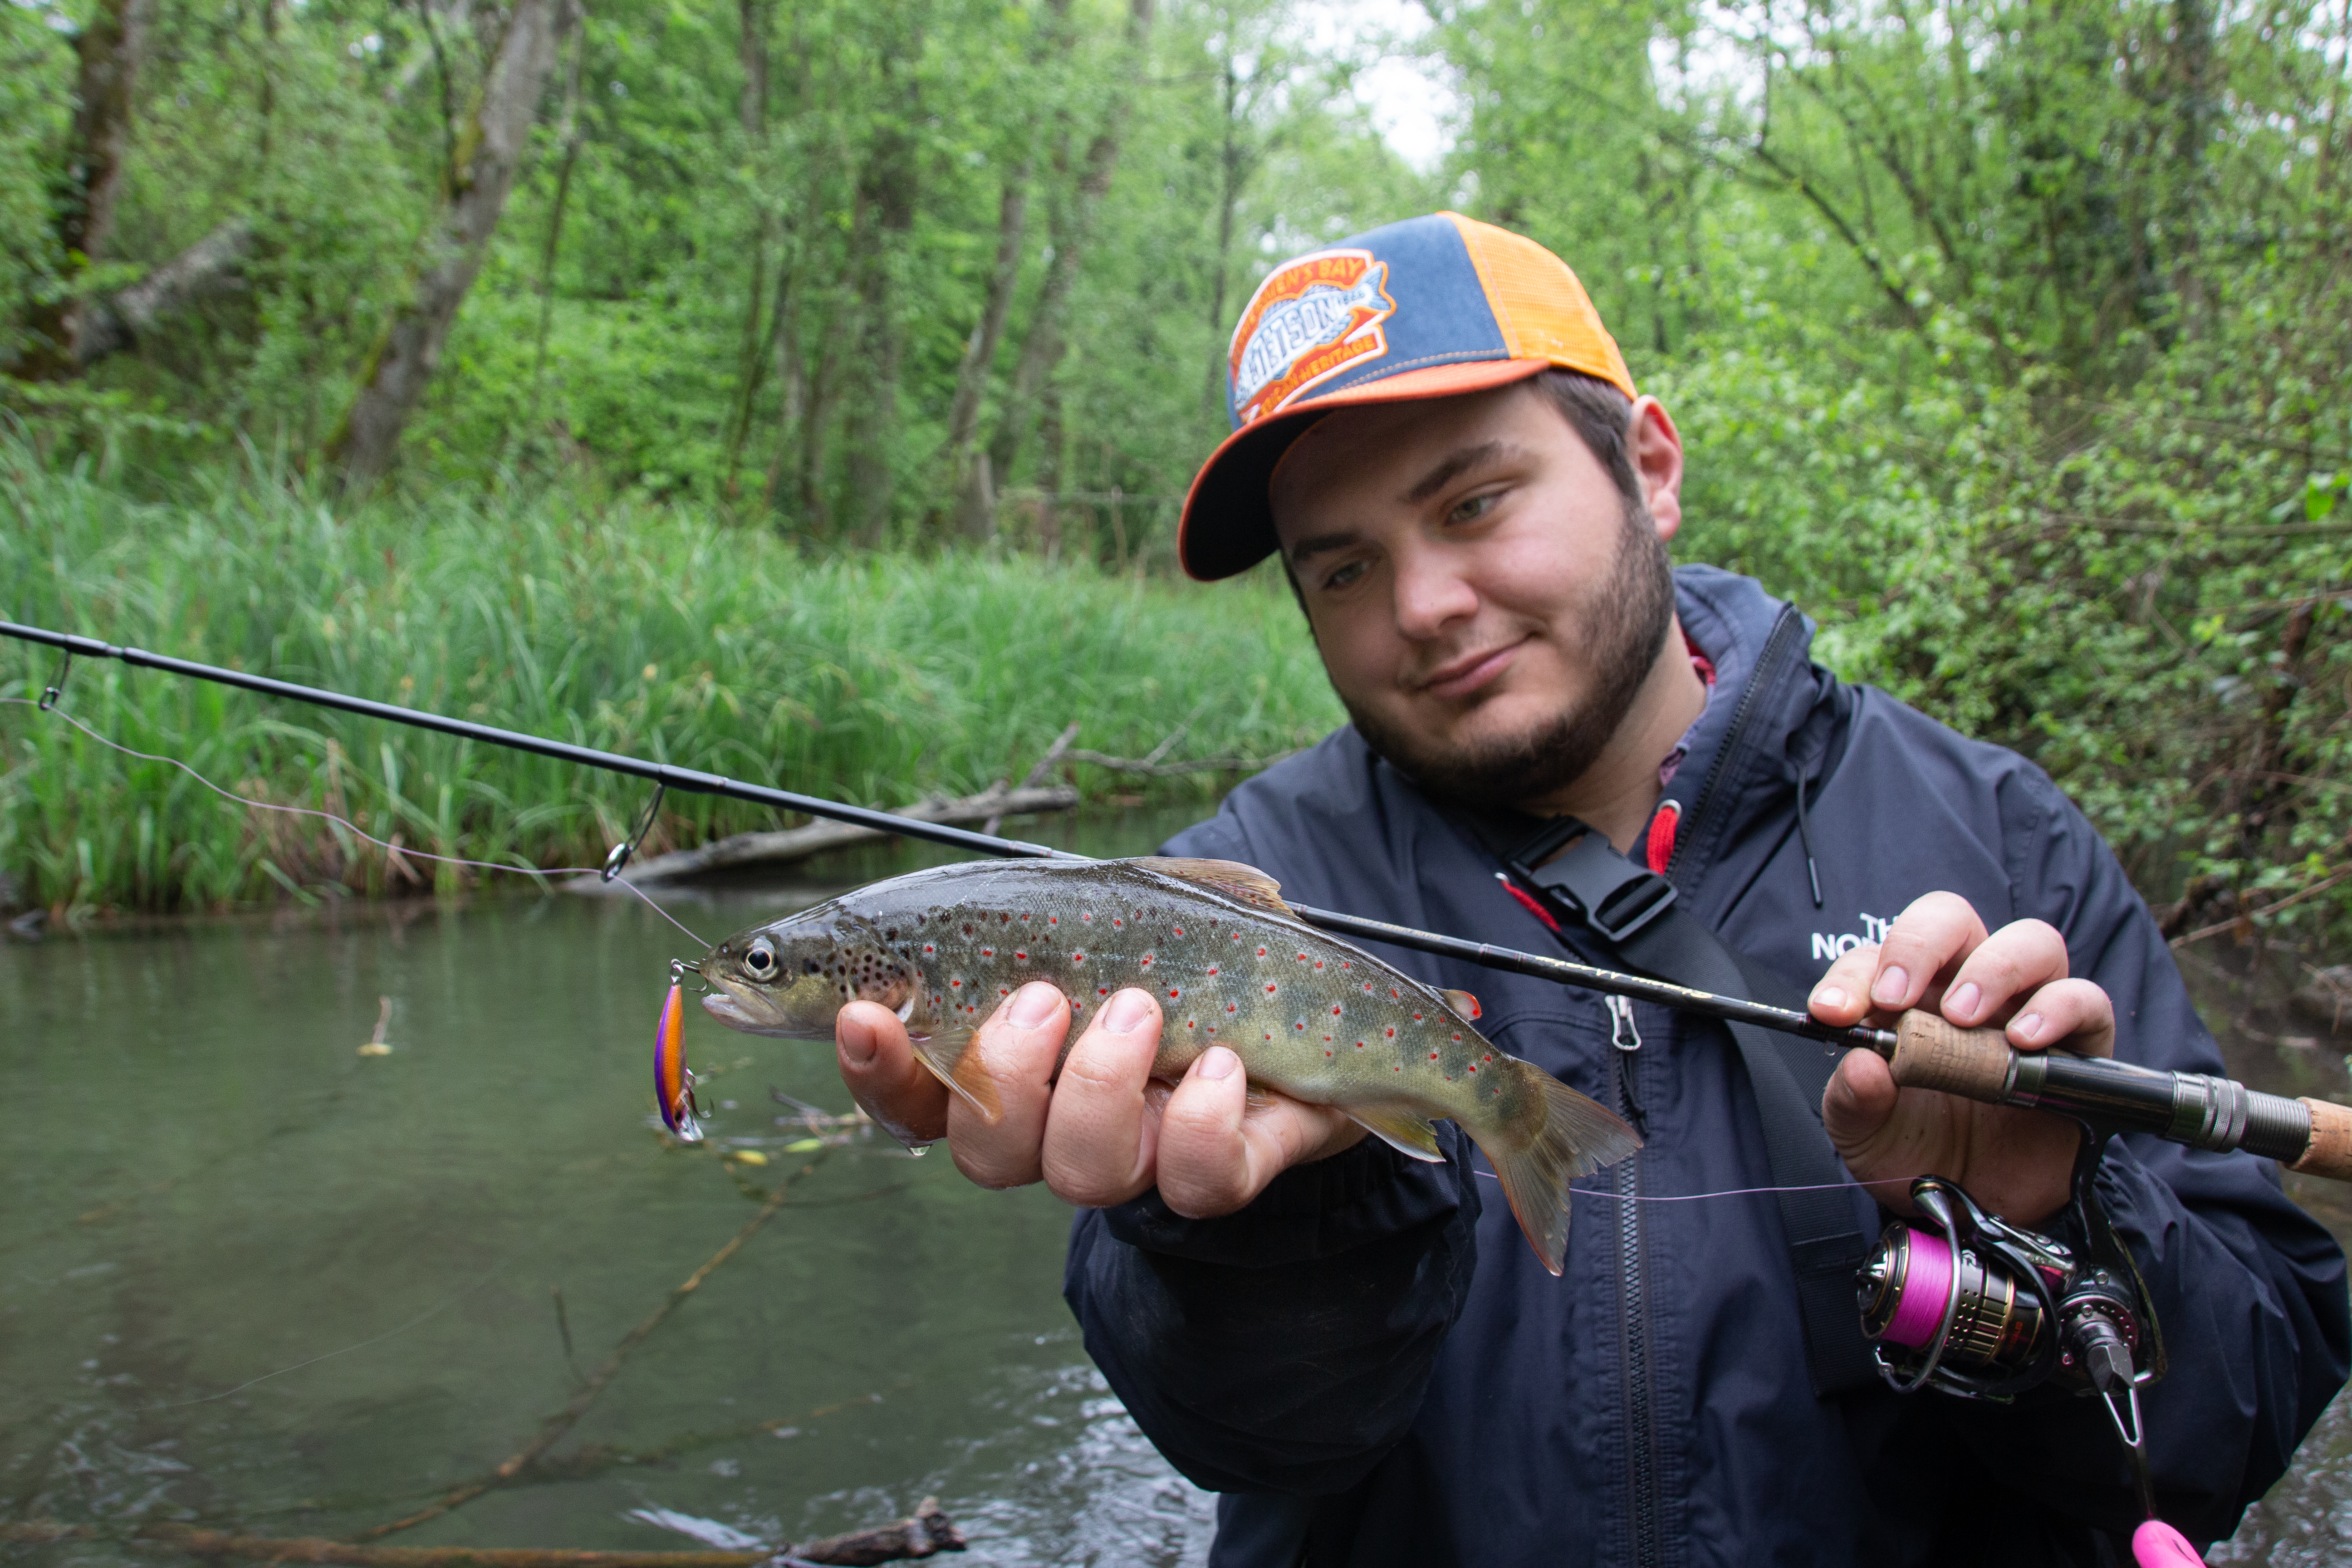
x=57 y=688
x=619 y=857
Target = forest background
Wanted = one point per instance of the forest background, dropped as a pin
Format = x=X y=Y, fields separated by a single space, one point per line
x=804 y=390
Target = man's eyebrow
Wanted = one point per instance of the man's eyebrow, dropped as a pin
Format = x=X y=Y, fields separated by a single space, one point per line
x=1316 y=544
x=1454 y=465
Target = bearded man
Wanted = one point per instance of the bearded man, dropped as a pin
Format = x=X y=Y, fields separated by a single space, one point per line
x=1557 y=737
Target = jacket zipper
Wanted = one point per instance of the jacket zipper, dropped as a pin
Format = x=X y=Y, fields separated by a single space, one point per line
x=1641 y=1430
x=1785 y=631
x=1641 y=1469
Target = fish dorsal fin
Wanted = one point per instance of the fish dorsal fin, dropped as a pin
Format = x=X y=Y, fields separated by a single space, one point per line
x=1406 y=1132
x=1245 y=883
x=1462 y=1003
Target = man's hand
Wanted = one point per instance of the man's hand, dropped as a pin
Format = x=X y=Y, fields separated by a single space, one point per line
x=1937 y=955
x=1098 y=1129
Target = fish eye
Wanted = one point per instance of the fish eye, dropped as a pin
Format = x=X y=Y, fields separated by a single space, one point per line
x=759 y=958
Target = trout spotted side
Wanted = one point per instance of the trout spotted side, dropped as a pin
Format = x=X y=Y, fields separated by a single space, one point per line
x=1230 y=964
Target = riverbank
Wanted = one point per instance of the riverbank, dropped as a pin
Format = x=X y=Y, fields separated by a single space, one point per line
x=656 y=630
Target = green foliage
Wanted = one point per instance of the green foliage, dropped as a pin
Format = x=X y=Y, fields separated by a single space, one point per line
x=641 y=628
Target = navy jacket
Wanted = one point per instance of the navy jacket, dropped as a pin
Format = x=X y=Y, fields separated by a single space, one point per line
x=1372 y=1365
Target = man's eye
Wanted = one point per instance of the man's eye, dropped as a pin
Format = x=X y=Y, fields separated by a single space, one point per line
x=1344 y=575
x=1473 y=509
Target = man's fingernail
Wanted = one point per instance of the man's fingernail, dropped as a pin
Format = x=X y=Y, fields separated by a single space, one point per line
x=1830 y=996
x=1892 y=984
x=1127 y=1012
x=856 y=1046
x=1218 y=1062
x=1964 y=1001
x=2030 y=1028
x=1033 y=1004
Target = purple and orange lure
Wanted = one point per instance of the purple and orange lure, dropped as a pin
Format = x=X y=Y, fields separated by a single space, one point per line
x=673 y=1081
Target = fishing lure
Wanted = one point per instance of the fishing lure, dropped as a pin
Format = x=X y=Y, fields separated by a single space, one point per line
x=673 y=1079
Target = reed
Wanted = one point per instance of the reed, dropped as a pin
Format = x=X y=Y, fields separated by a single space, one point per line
x=654 y=629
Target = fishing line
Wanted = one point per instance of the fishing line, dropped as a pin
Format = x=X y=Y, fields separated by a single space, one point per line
x=393 y=851
x=1726 y=1192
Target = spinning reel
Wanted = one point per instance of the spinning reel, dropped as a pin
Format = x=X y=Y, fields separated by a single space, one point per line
x=1961 y=1301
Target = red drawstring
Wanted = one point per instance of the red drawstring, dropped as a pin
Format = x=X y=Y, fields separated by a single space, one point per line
x=1660 y=847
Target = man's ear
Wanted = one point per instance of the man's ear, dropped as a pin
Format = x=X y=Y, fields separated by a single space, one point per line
x=1656 y=448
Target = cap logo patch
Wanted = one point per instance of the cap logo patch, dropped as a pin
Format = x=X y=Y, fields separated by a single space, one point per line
x=1308 y=322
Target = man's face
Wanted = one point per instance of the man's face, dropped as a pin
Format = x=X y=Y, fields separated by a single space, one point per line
x=1486 y=602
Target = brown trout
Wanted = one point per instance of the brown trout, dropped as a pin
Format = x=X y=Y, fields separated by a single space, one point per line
x=1230 y=964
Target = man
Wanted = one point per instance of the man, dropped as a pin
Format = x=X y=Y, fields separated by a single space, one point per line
x=1473 y=503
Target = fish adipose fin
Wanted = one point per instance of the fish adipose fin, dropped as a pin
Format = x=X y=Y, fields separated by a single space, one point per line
x=1464 y=1003
x=1230 y=877
x=1579 y=1136
x=954 y=1063
x=1406 y=1132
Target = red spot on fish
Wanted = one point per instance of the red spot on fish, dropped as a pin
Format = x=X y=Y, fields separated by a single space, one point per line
x=1302 y=958
x=928 y=947
x=1301 y=1025
x=988 y=952
x=1360 y=1044
x=1486 y=1058
x=1021 y=956
x=1319 y=965
x=954 y=983
x=1174 y=992
x=1178 y=929
x=1457 y=1039
x=1052 y=920
x=1117 y=923
x=1327 y=1053
x=1269 y=990
x=1081 y=958
x=1367 y=988
x=1230 y=1007
x=1147 y=963
x=1474 y=1067
x=1433 y=1056
x=1416 y=1018
x=1391 y=1031
x=1261 y=953
x=1396 y=994
x=1087 y=919
x=1335 y=1009
x=1189 y=1024
x=1102 y=990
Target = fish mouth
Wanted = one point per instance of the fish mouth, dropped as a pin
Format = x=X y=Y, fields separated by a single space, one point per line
x=737 y=1011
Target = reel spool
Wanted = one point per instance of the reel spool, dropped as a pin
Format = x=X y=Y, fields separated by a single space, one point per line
x=1969 y=1305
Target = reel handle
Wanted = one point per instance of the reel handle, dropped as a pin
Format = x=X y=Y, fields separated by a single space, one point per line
x=2311 y=1136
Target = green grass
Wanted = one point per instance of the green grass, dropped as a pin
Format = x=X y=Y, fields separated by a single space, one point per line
x=655 y=631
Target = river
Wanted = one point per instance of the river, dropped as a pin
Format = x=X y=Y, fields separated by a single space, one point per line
x=251 y=1277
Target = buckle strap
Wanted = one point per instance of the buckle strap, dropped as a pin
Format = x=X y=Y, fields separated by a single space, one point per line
x=1600 y=887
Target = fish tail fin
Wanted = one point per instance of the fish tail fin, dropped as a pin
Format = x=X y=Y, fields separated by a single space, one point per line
x=1578 y=1135
x=951 y=1060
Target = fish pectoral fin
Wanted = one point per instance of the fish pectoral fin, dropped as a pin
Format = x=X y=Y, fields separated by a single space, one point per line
x=1464 y=1003
x=951 y=1059
x=1408 y=1132
x=1230 y=877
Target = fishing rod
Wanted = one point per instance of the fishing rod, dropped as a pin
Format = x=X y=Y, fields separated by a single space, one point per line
x=1923 y=1052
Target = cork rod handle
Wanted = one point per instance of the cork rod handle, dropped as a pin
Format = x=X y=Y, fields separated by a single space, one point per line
x=1934 y=1053
x=2329 y=1153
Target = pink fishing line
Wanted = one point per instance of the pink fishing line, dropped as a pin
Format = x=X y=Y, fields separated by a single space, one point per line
x=392 y=849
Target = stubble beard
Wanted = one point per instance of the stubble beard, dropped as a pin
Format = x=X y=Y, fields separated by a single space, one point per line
x=1625 y=622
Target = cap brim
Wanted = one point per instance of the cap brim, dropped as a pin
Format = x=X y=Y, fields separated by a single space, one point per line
x=1228 y=521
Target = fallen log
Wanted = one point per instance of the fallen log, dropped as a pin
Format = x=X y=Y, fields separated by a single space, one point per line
x=799 y=843
x=927 y=1533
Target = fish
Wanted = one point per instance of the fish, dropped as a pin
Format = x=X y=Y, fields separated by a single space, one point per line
x=673 y=1081
x=1230 y=964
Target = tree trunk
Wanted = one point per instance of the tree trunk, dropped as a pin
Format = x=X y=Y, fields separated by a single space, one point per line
x=567 y=136
x=976 y=506
x=481 y=174
x=1231 y=173
x=888 y=186
x=752 y=363
x=214 y=266
x=1041 y=350
x=1049 y=478
x=110 y=49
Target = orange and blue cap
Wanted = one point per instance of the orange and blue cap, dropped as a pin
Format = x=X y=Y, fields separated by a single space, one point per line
x=1432 y=307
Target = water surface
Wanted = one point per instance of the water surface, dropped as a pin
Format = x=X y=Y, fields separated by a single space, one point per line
x=251 y=1277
